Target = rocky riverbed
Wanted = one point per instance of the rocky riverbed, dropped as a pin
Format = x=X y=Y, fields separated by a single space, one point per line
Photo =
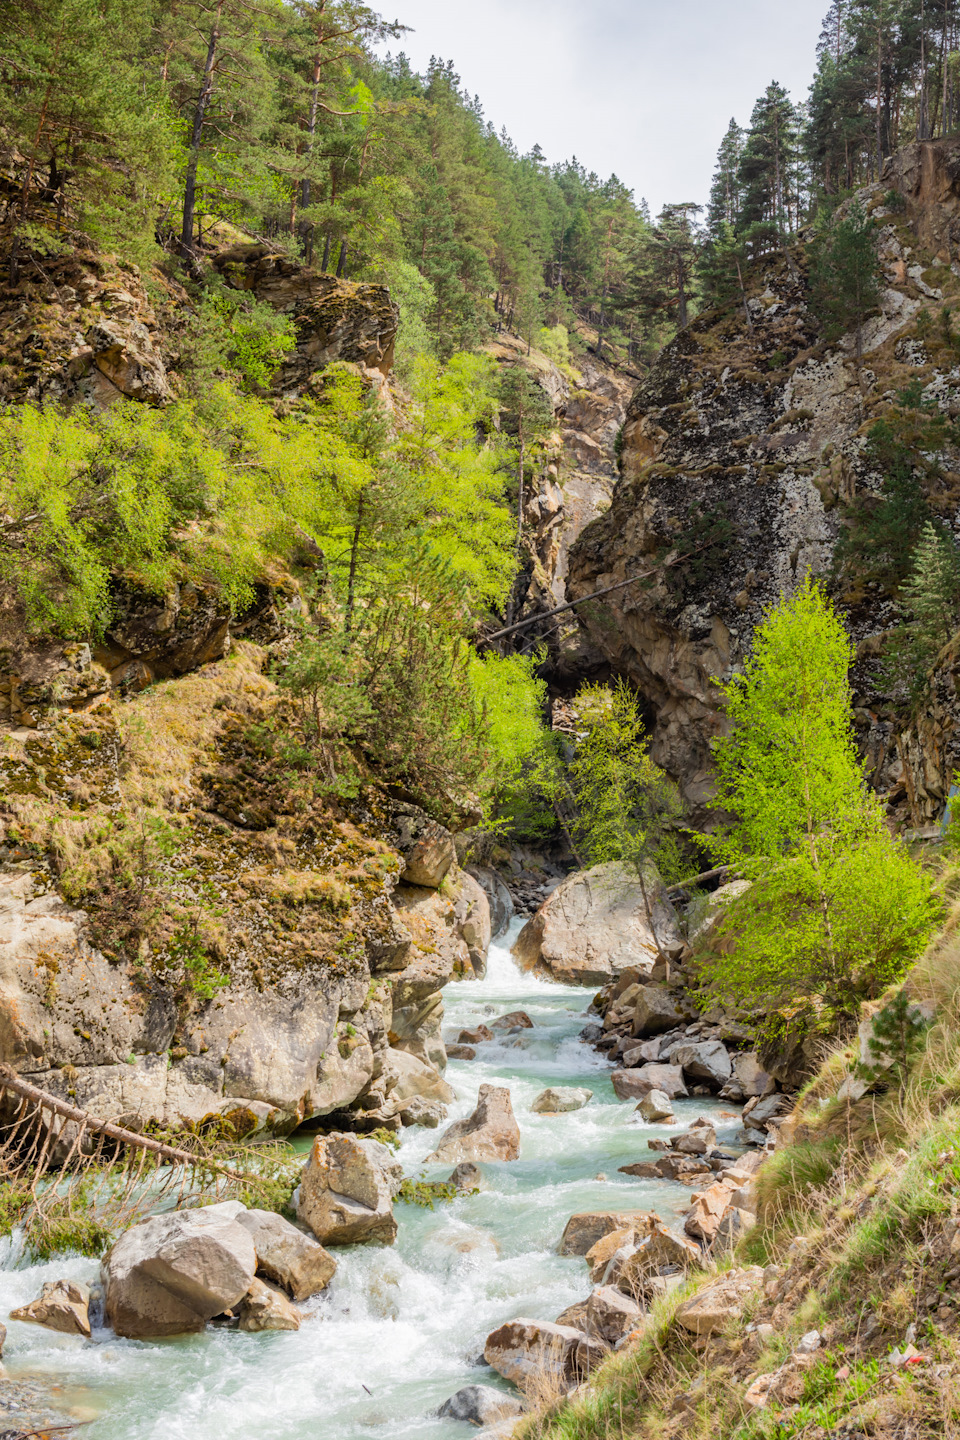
x=401 y=1329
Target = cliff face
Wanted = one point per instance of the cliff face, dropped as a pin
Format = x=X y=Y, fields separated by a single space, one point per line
x=740 y=451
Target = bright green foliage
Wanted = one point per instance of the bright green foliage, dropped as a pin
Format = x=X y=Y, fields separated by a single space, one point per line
x=844 y=275
x=232 y=334
x=837 y=908
x=788 y=769
x=627 y=808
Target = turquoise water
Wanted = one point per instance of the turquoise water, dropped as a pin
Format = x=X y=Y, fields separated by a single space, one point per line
x=399 y=1329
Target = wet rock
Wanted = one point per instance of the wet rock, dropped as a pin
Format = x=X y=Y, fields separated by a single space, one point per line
x=480 y=1405
x=287 y=1256
x=610 y=1314
x=476 y=1036
x=560 y=1100
x=466 y=1177
x=655 y=1011
x=655 y=1107
x=642 y=1169
x=489 y=1133
x=265 y=1307
x=498 y=896
x=681 y=1167
x=514 y=1020
x=594 y=925
x=173 y=1273
x=697 y=1141
x=62 y=1305
x=461 y=1052
x=716 y=1305
x=428 y=1113
x=583 y=1230
x=708 y=1060
x=598 y=1257
x=590 y=1034
x=634 y=1084
x=347 y=1189
x=528 y=1351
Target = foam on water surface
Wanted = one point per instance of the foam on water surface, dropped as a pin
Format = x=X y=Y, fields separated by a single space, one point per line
x=400 y=1329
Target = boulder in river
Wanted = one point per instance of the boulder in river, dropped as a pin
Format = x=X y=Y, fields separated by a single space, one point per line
x=287 y=1256
x=476 y=1036
x=583 y=1230
x=265 y=1307
x=489 y=1133
x=655 y=1107
x=559 y=1100
x=594 y=925
x=461 y=1052
x=347 y=1190
x=174 y=1272
x=634 y=1084
x=62 y=1305
x=514 y=1020
x=480 y=1405
x=531 y=1351
x=406 y=1077
x=465 y=1177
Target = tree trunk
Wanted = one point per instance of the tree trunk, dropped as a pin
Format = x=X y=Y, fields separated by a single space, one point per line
x=196 y=137
x=342 y=262
x=354 y=554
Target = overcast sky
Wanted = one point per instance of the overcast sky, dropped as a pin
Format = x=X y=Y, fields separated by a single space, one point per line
x=642 y=88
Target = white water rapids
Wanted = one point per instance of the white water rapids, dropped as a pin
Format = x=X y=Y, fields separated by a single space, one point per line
x=400 y=1328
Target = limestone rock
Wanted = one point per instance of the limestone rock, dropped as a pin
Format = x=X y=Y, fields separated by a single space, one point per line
x=655 y=1107
x=706 y=1060
x=475 y=923
x=600 y=1254
x=610 y=1314
x=634 y=1084
x=489 y=1133
x=476 y=1036
x=594 y=925
x=655 y=1011
x=287 y=1256
x=583 y=1230
x=524 y=1350
x=264 y=1307
x=751 y=1076
x=465 y=1177
x=480 y=1405
x=174 y=1272
x=709 y=1210
x=559 y=1100
x=716 y=1305
x=347 y=1190
x=405 y=1076
x=498 y=896
x=62 y=1305
x=427 y=849
x=461 y=1052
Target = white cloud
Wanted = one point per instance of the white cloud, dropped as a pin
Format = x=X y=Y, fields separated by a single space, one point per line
x=642 y=88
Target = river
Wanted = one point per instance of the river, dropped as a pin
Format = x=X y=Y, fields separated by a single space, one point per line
x=400 y=1328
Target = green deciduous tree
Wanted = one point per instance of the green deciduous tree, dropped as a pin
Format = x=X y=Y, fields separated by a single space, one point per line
x=837 y=907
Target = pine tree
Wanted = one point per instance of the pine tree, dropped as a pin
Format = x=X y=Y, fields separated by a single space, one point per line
x=726 y=199
x=844 y=277
x=768 y=164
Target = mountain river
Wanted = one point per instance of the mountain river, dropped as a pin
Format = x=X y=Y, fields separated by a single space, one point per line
x=400 y=1328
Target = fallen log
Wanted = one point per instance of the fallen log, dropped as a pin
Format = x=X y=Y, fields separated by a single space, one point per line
x=10 y=1080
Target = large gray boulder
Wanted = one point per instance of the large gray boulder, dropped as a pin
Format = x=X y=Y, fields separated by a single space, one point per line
x=489 y=1133
x=480 y=1405
x=560 y=1099
x=704 y=1060
x=347 y=1190
x=173 y=1273
x=595 y=925
x=287 y=1256
x=655 y=1011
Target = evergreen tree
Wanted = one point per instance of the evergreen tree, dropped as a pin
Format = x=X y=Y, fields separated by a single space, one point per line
x=767 y=173
x=726 y=198
x=844 y=278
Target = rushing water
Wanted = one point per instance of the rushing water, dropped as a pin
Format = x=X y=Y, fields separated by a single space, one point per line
x=400 y=1328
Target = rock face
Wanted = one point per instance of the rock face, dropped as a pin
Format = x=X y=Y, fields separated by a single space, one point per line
x=347 y=1190
x=287 y=1256
x=527 y=1351
x=498 y=896
x=490 y=1133
x=594 y=925
x=334 y=319
x=174 y=1272
x=62 y=1305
